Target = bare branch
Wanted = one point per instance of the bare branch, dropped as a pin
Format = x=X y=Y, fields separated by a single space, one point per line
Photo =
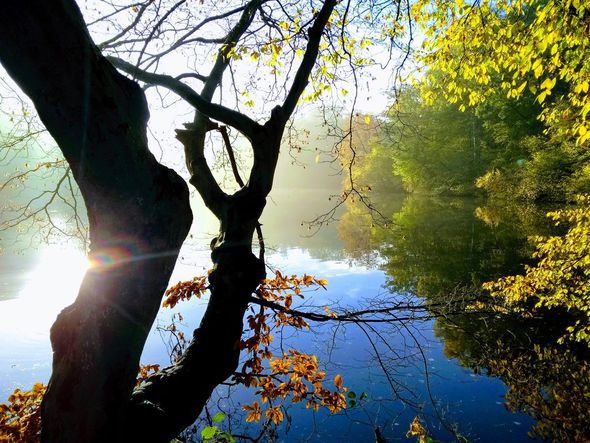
x=309 y=58
x=142 y=8
x=367 y=316
x=241 y=122
x=184 y=39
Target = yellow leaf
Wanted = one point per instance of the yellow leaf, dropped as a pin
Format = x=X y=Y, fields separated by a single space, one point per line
x=548 y=84
x=538 y=70
x=338 y=381
x=317 y=158
x=367 y=119
x=541 y=97
x=416 y=429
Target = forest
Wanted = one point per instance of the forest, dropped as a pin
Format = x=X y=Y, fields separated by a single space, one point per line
x=266 y=220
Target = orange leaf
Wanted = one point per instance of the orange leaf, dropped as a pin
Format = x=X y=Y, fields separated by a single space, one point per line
x=338 y=381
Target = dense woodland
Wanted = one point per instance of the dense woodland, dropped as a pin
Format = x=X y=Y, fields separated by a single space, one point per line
x=498 y=149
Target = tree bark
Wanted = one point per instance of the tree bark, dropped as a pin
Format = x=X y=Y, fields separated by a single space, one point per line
x=172 y=399
x=138 y=210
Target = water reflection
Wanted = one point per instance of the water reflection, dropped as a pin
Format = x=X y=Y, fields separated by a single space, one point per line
x=435 y=246
x=551 y=383
x=432 y=246
x=462 y=370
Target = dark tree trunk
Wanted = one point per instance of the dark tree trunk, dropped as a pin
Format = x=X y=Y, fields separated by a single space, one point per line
x=98 y=340
x=138 y=211
x=172 y=399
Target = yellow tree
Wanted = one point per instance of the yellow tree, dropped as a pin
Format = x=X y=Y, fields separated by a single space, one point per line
x=475 y=50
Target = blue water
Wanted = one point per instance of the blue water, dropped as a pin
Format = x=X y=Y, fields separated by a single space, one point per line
x=425 y=382
x=472 y=402
x=411 y=376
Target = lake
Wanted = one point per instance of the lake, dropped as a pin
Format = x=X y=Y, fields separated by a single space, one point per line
x=486 y=377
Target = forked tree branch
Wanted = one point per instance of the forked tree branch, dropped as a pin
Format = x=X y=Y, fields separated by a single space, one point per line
x=228 y=116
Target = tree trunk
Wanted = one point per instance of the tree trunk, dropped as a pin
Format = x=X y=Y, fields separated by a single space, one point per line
x=172 y=399
x=97 y=345
x=98 y=340
x=138 y=211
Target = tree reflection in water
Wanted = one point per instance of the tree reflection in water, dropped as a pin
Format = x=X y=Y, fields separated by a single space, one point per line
x=438 y=248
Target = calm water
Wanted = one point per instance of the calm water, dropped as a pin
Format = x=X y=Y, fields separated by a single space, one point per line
x=465 y=372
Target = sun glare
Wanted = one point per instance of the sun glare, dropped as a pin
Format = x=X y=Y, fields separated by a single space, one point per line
x=53 y=283
x=50 y=285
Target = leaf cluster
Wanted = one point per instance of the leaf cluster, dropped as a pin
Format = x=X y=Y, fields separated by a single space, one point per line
x=561 y=278
x=20 y=418
x=524 y=45
x=293 y=374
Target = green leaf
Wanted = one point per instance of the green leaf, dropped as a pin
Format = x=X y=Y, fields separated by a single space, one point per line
x=209 y=432
x=227 y=436
x=218 y=418
x=351 y=394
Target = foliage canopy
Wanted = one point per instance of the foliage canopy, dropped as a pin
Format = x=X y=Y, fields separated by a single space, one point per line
x=537 y=45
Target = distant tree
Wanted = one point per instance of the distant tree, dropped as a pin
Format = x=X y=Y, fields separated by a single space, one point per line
x=498 y=145
x=434 y=149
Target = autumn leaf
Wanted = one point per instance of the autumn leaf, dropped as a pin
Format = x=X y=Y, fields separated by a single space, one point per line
x=254 y=412
x=274 y=414
x=417 y=430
